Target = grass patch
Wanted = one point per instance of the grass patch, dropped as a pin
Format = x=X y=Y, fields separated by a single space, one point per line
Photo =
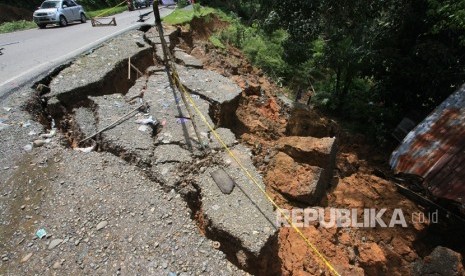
x=107 y=11
x=217 y=42
x=182 y=16
x=13 y=26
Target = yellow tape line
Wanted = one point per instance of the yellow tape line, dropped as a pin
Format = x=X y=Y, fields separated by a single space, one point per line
x=107 y=11
x=315 y=250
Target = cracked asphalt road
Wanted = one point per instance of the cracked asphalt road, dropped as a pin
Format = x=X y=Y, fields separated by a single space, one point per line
x=37 y=51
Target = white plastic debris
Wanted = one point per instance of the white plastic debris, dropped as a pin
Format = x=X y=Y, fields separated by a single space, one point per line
x=85 y=150
x=32 y=133
x=7 y=109
x=50 y=134
x=27 y=147
x=147 y=121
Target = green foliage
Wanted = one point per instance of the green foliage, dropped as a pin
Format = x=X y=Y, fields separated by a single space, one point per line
x=266 y=51
x=106 y=12
x=263 y=50
x=182 y=16
x=449 y=16
x=8 y=27
x=182 y=3
x=216 y=42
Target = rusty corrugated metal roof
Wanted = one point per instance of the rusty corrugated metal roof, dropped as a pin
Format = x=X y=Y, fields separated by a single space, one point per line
x=435 y=150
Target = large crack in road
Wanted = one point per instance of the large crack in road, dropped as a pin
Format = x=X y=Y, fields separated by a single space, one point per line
x=94 y=90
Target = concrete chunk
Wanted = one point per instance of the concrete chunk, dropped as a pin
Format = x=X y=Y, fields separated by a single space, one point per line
x=245 y=214
x=125 y=138
x=319 y=152
x=169 y=108
x=171 y=153
x=187 y=59
x=104 y=71
x=226 y=135
x=209 y=84
x=307 y=184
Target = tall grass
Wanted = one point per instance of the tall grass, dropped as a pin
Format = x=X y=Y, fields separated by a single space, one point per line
x=13 y=26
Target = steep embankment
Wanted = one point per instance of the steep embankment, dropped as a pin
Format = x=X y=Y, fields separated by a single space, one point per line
x=10 y=13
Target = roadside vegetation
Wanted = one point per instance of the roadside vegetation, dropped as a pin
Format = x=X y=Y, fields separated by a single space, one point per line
x=181 y=16
x=9 y=27
x=106 y=11
x=368 y=65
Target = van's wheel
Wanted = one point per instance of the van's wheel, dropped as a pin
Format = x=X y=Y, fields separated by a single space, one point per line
x=63 y=21
x=41 y=26
x=83 y=18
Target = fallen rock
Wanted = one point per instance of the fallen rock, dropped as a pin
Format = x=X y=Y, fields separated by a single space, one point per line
x=307 y=184
x=56 y=265
x=306 y=122
x=441 y=262
x=372 y=259
x=54 y=243
x=319 y=152
x=347 y=164
x=101 y=225
x=26 y=258
x=38 y=143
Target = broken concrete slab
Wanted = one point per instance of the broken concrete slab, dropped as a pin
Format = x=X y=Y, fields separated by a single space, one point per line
x=226 y=135
x=167 y=106
x=311 y=160
x=186 y=59
x=137 y=90
x=304 y=121
x=81 y=78
x=171 y=153
x=124 y=139
x=245 y=214
x=168 y=173
x=209 y=84
x=86 y=122
x=307 y=185
x=170 y=33
x=319 y=152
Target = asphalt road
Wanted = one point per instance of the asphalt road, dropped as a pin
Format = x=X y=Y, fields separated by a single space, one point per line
x=33 y=53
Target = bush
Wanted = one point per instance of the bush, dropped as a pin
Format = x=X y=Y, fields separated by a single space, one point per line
x=8 y=27
x=182 y=3
x=265 y=51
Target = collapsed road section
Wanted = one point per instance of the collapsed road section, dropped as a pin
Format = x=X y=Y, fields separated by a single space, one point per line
x=94 y=92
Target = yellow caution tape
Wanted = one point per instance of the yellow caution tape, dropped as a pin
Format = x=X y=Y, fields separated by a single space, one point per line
x=247 y=173
x=107 y=11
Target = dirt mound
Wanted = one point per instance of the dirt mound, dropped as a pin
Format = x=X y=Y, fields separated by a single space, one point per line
x=10 y=13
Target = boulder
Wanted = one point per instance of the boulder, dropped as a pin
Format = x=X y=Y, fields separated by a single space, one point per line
x=306 y=184
x=441 y=262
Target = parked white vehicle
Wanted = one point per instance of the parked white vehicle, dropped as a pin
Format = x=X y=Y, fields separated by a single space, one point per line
x=59 y=12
